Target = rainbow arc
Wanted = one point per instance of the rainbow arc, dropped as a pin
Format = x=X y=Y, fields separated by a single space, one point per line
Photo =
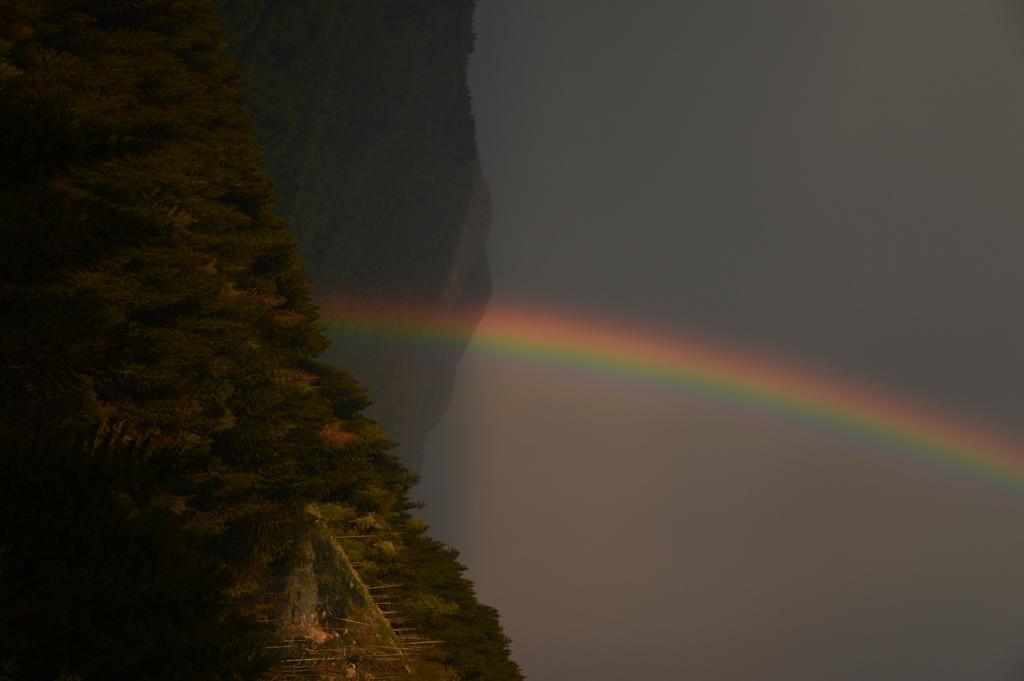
x=700 y=368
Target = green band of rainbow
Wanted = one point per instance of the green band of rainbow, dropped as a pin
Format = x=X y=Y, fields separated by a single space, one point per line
x=761 y=383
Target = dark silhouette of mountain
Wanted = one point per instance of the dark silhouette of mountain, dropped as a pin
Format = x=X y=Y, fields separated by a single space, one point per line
x=366 y=117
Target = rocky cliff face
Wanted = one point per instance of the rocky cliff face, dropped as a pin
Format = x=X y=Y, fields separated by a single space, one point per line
x=366 y=117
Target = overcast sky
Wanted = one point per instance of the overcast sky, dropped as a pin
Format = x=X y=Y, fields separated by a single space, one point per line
x=835 y=181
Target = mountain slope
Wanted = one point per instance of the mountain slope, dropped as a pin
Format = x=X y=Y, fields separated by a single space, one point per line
x=171 y=443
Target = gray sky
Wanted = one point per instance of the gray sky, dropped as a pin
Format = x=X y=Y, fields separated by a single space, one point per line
x=837 y=182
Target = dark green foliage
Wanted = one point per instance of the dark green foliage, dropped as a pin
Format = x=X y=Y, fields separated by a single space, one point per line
x=441 y=604
x=98 y=574
x=147 y=283
x=164 y=419
x=429 y=590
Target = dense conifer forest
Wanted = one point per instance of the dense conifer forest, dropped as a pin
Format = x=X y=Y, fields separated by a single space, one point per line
x=188 y=491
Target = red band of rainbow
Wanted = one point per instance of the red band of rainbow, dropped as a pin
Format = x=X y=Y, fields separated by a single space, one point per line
x=755 y=381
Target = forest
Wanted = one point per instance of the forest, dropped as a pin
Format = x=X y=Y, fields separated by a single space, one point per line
x=189 y=490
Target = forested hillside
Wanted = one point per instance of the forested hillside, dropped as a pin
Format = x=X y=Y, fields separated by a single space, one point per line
x=176 y=459
x=364 y=111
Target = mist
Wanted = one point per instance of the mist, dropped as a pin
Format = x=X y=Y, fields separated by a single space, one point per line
x=835 y=184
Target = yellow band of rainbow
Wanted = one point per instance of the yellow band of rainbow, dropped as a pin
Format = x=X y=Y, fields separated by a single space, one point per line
x=759 y=382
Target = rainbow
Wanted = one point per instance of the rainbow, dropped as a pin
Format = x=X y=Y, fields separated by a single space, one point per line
x=761 y=383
